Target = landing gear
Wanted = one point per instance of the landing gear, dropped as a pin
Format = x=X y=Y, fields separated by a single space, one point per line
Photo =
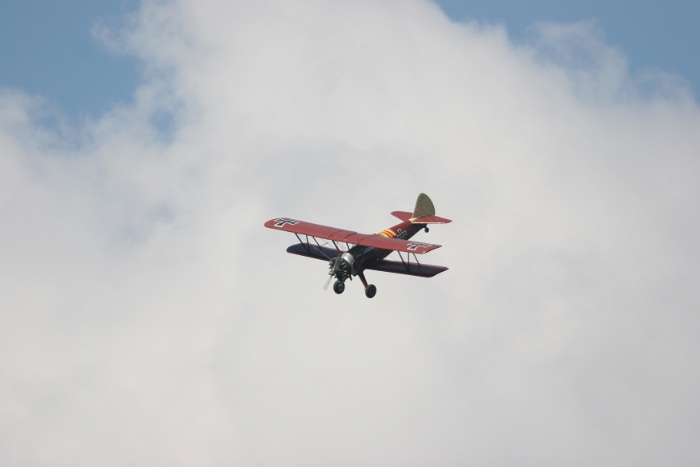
x=371 y=291
x=427 y=229
x=339 y=287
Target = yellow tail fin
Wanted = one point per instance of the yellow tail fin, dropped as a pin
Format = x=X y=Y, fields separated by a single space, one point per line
x=424 y=207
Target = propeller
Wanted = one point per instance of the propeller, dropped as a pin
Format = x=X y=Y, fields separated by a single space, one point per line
x=325 y=287
x=331 y=274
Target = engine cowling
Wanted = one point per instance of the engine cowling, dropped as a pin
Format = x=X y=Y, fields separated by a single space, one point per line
x=342 y=267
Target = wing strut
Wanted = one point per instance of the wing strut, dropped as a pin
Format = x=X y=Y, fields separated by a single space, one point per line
x=417 y=262
x=407 y=263
x=320 y=249
x=307 y=247
x=404 y=262
x=347 y=246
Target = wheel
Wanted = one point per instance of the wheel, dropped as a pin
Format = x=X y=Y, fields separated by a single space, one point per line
x=427 y=229
x=371 y=291
x=338 y=287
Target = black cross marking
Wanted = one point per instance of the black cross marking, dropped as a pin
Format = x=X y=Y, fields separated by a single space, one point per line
x=282 y=222
x=415 y=245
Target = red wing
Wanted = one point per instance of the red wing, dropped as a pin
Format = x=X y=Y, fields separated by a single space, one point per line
x=408 y=246
x=348 y=236
x=307 y=228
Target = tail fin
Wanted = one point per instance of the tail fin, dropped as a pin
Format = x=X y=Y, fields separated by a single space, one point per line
x=424 y=207
x=424 y=213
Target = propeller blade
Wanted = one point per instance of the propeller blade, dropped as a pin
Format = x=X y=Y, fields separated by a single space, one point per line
x=325 y=287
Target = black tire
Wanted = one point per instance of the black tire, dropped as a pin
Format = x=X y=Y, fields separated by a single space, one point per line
x=338 y=287
x=427 y=229
x=370 y=291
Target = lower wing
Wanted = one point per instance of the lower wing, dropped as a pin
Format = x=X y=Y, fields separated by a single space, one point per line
x=396 y=267
x=312 y=251
x=410 y=269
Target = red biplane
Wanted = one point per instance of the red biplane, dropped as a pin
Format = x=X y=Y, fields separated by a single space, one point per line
x=353 y=252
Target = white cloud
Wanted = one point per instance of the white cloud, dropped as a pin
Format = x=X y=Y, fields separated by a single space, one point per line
x=148 y=317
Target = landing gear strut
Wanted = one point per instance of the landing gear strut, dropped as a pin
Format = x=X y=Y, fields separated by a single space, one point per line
x=370 y=289
x=339 y=287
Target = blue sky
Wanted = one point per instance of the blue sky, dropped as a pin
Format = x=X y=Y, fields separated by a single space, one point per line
x=47 y=48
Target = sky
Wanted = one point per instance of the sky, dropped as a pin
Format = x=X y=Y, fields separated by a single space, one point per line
x=148 y=317
x=50 y=48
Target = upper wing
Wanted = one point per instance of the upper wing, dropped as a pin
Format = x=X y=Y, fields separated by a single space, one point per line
x=307 y=228
x=396 y=244
x=348 y=236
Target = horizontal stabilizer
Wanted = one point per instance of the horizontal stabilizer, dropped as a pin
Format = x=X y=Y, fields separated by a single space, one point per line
x=403 y=215
x=431 y=220
x=407 y=216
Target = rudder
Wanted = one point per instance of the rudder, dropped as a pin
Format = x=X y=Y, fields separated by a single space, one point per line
x=424 y=207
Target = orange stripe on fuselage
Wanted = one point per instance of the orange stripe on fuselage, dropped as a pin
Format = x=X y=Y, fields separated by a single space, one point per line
x=405 y=228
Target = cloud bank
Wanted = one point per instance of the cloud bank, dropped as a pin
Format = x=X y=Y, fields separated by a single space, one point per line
x=147 y=317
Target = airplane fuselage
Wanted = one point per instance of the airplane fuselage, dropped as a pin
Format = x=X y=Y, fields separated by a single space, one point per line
x=366 y=255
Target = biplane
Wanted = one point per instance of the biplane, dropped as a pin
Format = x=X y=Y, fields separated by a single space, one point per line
x=352 y=253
